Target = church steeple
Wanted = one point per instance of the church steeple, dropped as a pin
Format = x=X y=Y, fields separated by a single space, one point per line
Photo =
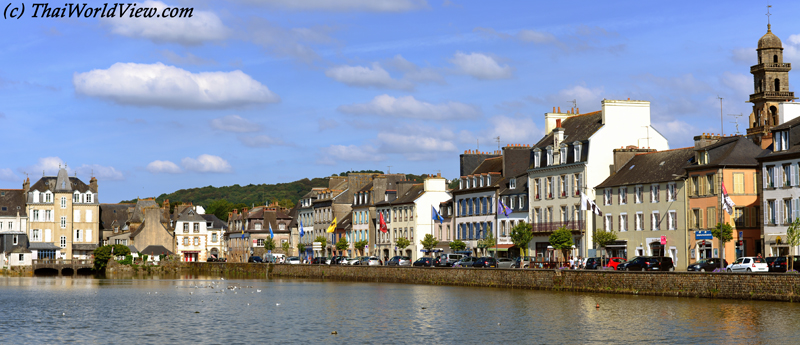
x=770 y=85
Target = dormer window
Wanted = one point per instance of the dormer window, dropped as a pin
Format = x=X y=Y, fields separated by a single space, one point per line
x=537 y=158
x=480 y=181
x=48 y=197
x=461 y=184
x=512 y=183
x=576 y=148
x=89 y=197
x=562 y=154
x=781 y=140
x=549 y=156
x=474 y=182
x=703 y=157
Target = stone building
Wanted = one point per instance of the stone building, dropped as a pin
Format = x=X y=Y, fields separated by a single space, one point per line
x=149 y=225
x=13 y=229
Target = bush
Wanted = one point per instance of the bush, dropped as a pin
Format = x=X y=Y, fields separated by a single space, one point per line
x=128 y=260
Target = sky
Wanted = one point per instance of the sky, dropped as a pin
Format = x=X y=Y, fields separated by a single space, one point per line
x=272 y=91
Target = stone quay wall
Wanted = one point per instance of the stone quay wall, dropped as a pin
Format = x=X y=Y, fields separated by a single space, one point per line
x=753 y=286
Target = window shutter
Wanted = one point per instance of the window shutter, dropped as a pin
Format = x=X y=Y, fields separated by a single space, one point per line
x=778 y=211
x=47 y=236
x=796 y=203
x=766 y=213
x=764 y=174
x=700 y=219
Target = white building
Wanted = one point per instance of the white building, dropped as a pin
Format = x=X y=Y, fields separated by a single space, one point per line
x=13 y=227
x=780 y=169
x=192 y=236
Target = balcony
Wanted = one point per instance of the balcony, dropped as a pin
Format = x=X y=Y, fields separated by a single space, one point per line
x=574 y=225
x=772 y=95
x=773 y=66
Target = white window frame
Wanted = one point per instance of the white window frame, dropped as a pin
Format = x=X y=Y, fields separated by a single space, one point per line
x=63 y=242
x=672 y=190
x=562 y=154
x=672 y=220
x=639 y=221
x=63 y=222
x=623 y=222
x=63 y=202
x=537 y=158
x=576 y=148
x=638 y=194
x=35 y=235
x=623 y=195
x=655 y=219
x=655 y=192
x=607 y=222
x=512 y=183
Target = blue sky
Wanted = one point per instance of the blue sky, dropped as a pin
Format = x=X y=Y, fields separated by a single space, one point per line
x=270 y=91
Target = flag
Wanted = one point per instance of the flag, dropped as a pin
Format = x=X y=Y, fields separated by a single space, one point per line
x=727 y=203
x=271 y=235
x=588 y=204
x=242 y=233
x=332 y=227
x=384 y=228
x=436 y=216
x=301 y=229
x=502 y=208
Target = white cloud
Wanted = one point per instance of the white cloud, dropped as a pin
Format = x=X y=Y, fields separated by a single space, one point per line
x=49 y=165
x=742 y=84
x=206 y=164
x=235 y=123
x=481 y=66
x=744 y=55
x=157 y=167
x=362 y=76
x=409 y=107
x=332 y=154
x=678 y=133
x=203 y=26
x=347 y=5
x=327 y=124
x=171 y=87
x=515 y=130
x=416 y=146
x=189 y=59
x=260 y=141
x=103 y=173
x=295 y=43
x=587 y=98
x=413 y=72
x=7 y=175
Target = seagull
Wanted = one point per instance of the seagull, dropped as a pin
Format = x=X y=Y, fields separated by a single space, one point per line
x=191 y=293
x=63 y=314
x=277 y=304
x=258 y=290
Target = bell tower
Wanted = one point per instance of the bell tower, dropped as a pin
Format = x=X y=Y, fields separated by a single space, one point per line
x=770 y=86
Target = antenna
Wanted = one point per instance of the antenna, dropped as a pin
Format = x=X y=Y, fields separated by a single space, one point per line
x=736 y=121
x=497 y=139
x=574 y=103
x=721 y=130
x=388 y=169
x=768 y=14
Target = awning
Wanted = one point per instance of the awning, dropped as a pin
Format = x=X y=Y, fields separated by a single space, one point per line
x=435 y=250
x=190 y=251
x=43 y=246
x=501 y=247
x=89 y=247
x=772 y=240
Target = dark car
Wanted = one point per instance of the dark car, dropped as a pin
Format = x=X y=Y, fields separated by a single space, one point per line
x=485 y=262
x=447 y=260
x=319 y=260
x=594 y=263
x=338 y=260
x=649 y=263
x=706 y=265
x=424 y=262
x=779 y=263
x=255 y=259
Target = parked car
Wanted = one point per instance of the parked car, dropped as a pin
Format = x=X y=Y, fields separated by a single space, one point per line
x=424 y=262
x=779 y=263
x=709 y=264
x=293 y=260
x=484 y=262
x=594 y=263
x=319 y=260
x=748 y=264
x=504 y=262
x=649 y=263
x=521 y=261
x=358 y=260
x=466 y=261
x=254 y=259
x=399 y=261
x=614 y=262
x=374 y=261
x=447 y=260
x=338 y=260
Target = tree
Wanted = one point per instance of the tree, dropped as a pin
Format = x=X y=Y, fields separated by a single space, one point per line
x=342 y=244
x=286 y=246
x=521 y=235
x=402 y=243
x=322 y=240
x=103 y=254
x=301 y=248
x=429 y=242
x=724 y=233
x=793 y=239
x=457 y=245
x=359 y=245
x=269 y=243
x=220 y=208
x=561 y=239
x=285 y=202
x=487 y=242
x=603 y=238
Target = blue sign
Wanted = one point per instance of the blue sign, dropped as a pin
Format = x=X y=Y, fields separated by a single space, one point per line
x=703 y=235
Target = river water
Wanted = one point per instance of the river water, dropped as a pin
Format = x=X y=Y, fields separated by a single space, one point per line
x=188 y=310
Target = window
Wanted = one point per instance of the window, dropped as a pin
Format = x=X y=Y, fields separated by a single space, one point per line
x=185 y=227
x=48 y=197
x=35 y=234
x=185 y=241
x=607 y=196
x=10 y=225
x=521 y=202
x=576 y=184
x=78 y=236
x=654 y=193
x=196 y=227
x=711 y=217
x=15 y=239
x=562 y=154
x=639 y=220
x=562 y=183
x=63 y=222
x=88 y=215
x=638 y=194
x=623 y=222
x=549 y=156
x=35 y=215
x=787 y=211
x=512 y=183
x=63 y=202
x=76 y=216
x=623 y=195
x=196 y=241
x=576 y=148
x=76 y=198
x=697 y=218
x=608 y=224
x=672 y=220
x=480 y=182
x=655 y=220
x=787 y=175
x=461 y=184
x=738 y=183
x=63 y=241
x=739 y=217
x=671 y=191
x=537 y=158
x=550 y=187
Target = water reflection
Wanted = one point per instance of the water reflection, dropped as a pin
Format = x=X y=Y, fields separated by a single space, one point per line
x=192 y=309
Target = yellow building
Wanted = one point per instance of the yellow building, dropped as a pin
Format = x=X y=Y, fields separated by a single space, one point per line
x=63 y=216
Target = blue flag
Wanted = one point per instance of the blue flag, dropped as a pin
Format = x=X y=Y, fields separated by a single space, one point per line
x=271 y=235
x=301 y=229
x=502 y=208
x=436 y=216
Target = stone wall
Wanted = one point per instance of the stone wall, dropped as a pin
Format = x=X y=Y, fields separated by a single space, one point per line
x=762 y=286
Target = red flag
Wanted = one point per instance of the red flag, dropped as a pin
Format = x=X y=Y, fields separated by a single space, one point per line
x=383 y=224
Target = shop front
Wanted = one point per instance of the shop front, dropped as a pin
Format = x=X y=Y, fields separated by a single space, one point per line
x=190 y=256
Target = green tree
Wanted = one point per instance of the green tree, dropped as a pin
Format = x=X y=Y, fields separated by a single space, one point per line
x=402 y=243
x=521 y=235
x=286 y=246
x=457 y=245
x=103 y=254
x=793 y=239
x=487 y=242
x=561 y=239
x=269 y=243
x=342 y=245
x=301 y=248
x=603 y=238
x=322 y=240
x=285 y=202
x=429 y=242
x=220 y=208
x=359 y=245
x=724 y=233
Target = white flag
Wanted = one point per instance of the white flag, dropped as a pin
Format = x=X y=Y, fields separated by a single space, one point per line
x=727 y=202
x=589 y=204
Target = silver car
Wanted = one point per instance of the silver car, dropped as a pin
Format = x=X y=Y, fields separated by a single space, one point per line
x=465 y=261
x=293 y=260
x=504 y=262
x=373 y=261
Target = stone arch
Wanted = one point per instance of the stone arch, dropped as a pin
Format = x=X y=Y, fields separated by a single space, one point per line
x=775 y=58
x=777 y=84
x=773 y=115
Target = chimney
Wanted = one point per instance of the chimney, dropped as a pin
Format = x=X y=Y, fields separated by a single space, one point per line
x=558 y=123
x=704 y=140
x=403 y=187
x=26 y=185
x=93 y=184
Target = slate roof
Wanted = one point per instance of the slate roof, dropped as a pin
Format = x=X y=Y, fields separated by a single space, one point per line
x=137 y=216
x=42 y=245
x=156 y=250
x=794 y=142
x=113 y=214
x=521 y=185
x=652 y=167
x=189 y=215
x=216 y=223
x=14 y=201
x=731 y=151
x=367 y=187
x=787 y=124
x=494 y=164
x=576 y=128
x=49 y=183
x=413 y=193
x=293 y=214
x=346 y=222
x=84 y=246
